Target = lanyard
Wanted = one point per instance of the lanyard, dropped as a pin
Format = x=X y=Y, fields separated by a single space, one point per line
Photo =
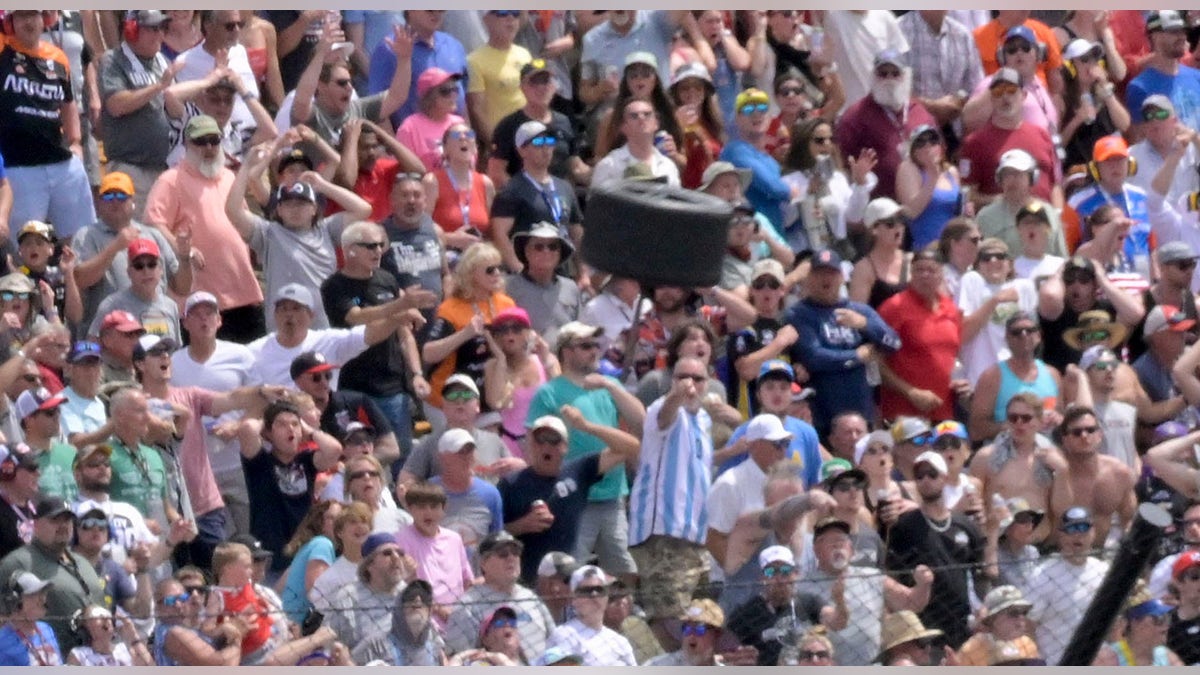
x=464 y=195
x=33 y=651
x=550 y=196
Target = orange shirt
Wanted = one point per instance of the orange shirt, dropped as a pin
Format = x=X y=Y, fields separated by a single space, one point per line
x=452 y=315
x=989 y=35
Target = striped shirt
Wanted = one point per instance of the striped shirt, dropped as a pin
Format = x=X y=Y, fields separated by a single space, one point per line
x=943 y=63
x=673 y=478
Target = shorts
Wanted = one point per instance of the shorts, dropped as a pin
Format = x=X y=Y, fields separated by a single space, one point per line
x=669 y=571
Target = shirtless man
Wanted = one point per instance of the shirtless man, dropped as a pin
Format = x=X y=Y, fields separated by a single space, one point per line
x=1175 y=462
x=1102 y=483
x=1021 y=463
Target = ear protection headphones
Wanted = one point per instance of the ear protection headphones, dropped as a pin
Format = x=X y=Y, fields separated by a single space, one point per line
x=1094 y=170
x=1073 y=71
x=8 y=466
x=49 y=18
x=130 y=30
x=1193 y=201
x=1039 y=49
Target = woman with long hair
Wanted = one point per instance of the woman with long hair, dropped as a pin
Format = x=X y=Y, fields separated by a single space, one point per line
x=521 y=362
x=455 y=343
x=958 y=245
x=422 y=131
x=312 y=552
x=1144 y=636
x=1093 y=25
x=640 y=80
x=795 y=106
x=350 y=529
x=779 y=44
x=458 y=196
x=883 y=271
x=182 y=32
x=988 y=296
x=699 y=116
x=260 y=39
x=827 y=197
x=927 y=186
x=1091 y=110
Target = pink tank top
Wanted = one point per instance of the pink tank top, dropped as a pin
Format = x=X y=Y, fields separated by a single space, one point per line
x=512 y=425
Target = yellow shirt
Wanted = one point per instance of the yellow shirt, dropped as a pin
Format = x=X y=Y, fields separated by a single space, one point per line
x=497 y=75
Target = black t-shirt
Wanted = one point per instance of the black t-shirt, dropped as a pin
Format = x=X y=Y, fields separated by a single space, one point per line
x=292 y=66
x=280 y=495
x=1056 y=352
x=1183 y=638
x=566 y=494
x=913 y=541
x=747 y=341
x=380 y=370
x=505 y=135
x=351 y=406
x=11 y=526
x=749 y=622
x=526 y=204
x=36 y=85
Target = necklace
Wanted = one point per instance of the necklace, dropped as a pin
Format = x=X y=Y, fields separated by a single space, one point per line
x=934 y=525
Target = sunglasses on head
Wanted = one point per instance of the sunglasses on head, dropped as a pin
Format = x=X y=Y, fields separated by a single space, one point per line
x=459 y=395
x=693 y=628
x=778 y=570
x=543 y=141
x=114 y=197
x=751 y=108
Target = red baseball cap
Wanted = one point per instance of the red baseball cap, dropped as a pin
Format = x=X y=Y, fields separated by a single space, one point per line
x=121 y=321
x=141 y=247
x=1185 y=561
x=1109 y=147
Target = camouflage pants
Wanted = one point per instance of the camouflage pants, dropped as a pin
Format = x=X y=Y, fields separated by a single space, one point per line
x=669 y=570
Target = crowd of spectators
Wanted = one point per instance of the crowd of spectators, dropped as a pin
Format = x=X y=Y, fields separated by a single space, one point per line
x=301 y=362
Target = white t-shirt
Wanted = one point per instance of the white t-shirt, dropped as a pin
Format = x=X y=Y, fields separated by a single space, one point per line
x=229 y=367
x=1029 y=268
x=988 y=347
x=340 y=574
x=612 y=167
x=273 y=361
x=736 y=492
x=1060 y=592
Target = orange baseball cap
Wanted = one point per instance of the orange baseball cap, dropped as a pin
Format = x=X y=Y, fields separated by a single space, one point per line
x=115 y=181
x=1109 y=147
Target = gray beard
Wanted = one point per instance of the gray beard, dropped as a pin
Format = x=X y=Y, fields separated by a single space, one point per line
x=207 y=168
x=892 y=97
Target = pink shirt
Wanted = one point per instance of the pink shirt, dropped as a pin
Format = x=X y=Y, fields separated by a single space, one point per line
x=193 y=453
x=441 y=560
x=1038 y=108
x=423 y=136
x=183 y=197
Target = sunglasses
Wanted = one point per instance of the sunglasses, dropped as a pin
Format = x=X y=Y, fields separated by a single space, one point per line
x=586 y=345
x=1080 y=432
x=234 y=25
x=1156 y=115
x=459 y=395
x=1022 y=332
x=172 y=600
x=1095 y=336
x=93 y=524
x=323 y=376
x=1018 y=47
x=1076 y=528
x=766 y=282
x=506 y=13
x=503 y=622
x=114 y=197
x=697 y=629
x=806 y=655
x=371 y=245
x=543 y=142
x=848 y=486
x=1020 y=418
x=990 y=257
x=778 y=571
x=1002 y=90
x=751 y=108
x=925 y=473
x=947 y=444
x=888 y=73
x=788 y=92
x=462 y=135
x=591 y=591
x=369 y=473
x=148 y=265
x=9 y=296
x=506 y=328
x=548 y=440
x=196 y=590
x=926 y=438
x=492 y=269
x=546 y=246
x=1105 y=366
x=207 y=141
x=391 y=553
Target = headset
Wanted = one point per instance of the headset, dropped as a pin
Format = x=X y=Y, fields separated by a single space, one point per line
x=1039 y=49
x=1033 y=173
x=8 y=466
x=1193 y=201
x=1073 y=71
x=131 y=30
x=10 y=595
x=1094 y=171
x=49 y=18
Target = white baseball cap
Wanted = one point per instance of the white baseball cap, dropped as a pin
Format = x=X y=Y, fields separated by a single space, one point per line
x=776 y=554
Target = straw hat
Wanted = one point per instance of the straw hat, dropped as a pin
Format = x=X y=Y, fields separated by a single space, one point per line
x=1093 y=321
x=900 y=627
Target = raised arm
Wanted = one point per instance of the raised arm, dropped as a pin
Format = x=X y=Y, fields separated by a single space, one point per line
x=235 y=203
x=401 y=44
x=620 y=447
x=1175 y=462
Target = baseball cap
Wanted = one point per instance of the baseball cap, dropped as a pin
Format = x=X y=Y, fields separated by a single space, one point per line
x=879 y=209
x=91 y=449
x=705 y=611
x=28 y=583
x=802 y=393
x=692 y=70
x=512 y=315
x=1021 y=32
x=296 y=293
x=550 y=422
x=1018 y=160
x=838 y=468
x=830 y=523
x=750 y=96
x=1157 y=101
x=827 y=258
x=720 y=168
x=529 y=131
x=1017 y=506
x=454 y=441
x=52 y=507
x=950 y=428
x=877 y=437
x=559 y=656
x=1167 y=317
x=116 y=181
x=1175 y=251
x=932 y=459
x=200 y=298
x=1186 y=561
x=1033 y=210
x=257 y=552
x=141 y=247
x=356 y=427
x=587 y=572
x=888 y=56
x=908 y=428
x=1164 y=19
x=373 y=542
x=460 y=380
x=534 y=67
x=297 y=190
x=1005 y=76
x=19 y=455
x=1109 y=147
x=309 y=362
x=1003 y=597
x=1079 y=262
x=147 y=17
x=576 y=330
x=1080 y=47
x=1076 y=515
x=642 y=57
x=498 y=539
x=36 y=400
x=501 y=612
x=776 y=368
x=1096 y=354
x=557 y=564
x=201 y=126
x=295 y=156
x=153 y=343
x=776 y=554
x=768 y=267
x=43 y=230
x=83 y=350
x=766 y=427
x=431 y=78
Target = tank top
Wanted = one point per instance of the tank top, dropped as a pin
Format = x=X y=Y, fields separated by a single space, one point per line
x=258 y=63
x=160 y=643
x=1010 y=385
x=942 y=206
x=448 y=211
x=512 y=418
x=1161 y=655
x=237 y=600
x=881 y=289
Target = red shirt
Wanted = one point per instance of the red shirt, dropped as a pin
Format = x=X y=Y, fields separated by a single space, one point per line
x=929 y=343
x=375 y=186
x=867 y=125
x=980 y=155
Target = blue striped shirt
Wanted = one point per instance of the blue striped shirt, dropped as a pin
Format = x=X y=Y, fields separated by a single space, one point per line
x=674 y=474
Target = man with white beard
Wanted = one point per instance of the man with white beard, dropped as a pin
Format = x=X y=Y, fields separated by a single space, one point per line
x=883 y=119
x=190 y=197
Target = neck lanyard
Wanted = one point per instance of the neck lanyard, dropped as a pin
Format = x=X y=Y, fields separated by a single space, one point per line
x=137 y=460
x=1126 y=652
x=33 y=651
x=464 y=195
x=549 y=195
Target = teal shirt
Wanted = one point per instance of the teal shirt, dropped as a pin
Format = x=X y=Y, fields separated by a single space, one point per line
x=598 y=407
x=57 y=475
x=140 y=480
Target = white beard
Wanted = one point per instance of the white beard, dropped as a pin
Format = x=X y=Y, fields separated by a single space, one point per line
x=209 y=168
x=893 y=94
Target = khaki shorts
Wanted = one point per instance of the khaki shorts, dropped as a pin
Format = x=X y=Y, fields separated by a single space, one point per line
x=669 y=570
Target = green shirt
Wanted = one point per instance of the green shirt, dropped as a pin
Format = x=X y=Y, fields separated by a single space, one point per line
x=57 y=475
x=996 y=220
x=140 y=479
x=598 y=407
